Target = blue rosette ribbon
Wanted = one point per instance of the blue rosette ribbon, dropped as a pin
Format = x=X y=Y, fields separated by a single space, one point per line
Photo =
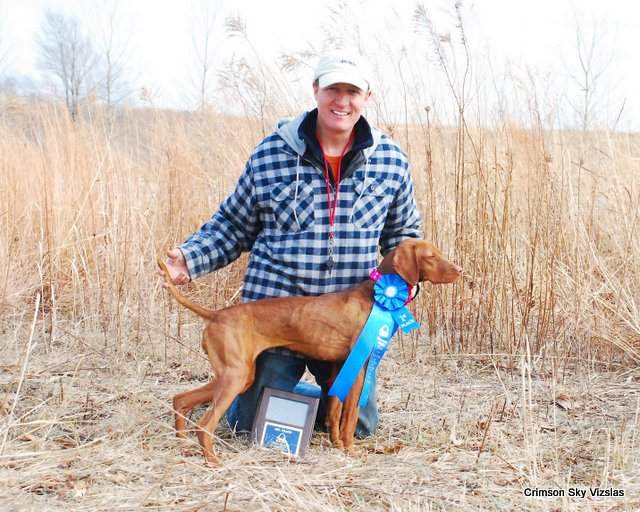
x=389 y=312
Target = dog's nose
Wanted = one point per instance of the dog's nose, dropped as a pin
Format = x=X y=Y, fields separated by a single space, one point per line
x=458 y=268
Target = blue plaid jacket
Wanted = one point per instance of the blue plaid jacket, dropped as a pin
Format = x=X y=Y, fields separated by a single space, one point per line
x=279 y=211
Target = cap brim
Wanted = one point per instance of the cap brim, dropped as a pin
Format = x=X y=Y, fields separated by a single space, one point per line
x=341 y=77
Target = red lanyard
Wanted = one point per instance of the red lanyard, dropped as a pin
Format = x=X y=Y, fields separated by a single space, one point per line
x=332 y=206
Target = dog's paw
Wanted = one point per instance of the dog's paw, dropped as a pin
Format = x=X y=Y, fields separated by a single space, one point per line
x=351 y=450
x=191 y=451
x=211 y=460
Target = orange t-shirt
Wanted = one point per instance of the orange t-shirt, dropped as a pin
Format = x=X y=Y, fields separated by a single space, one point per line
x=333 y=163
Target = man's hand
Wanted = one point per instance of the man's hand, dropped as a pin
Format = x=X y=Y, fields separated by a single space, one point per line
x=177 y=266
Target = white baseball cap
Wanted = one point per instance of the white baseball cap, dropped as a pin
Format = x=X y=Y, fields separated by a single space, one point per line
x=342 y=67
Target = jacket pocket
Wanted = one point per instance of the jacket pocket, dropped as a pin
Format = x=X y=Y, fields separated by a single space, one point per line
x=371 y=205
x=293 y=211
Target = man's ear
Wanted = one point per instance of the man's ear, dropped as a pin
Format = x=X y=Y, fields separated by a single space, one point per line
x=405 y=263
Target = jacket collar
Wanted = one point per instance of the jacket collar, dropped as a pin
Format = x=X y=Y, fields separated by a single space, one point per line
x=299 y=134
x=307 y=132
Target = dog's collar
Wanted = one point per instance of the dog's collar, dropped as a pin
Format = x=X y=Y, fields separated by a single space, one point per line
x=375 y=275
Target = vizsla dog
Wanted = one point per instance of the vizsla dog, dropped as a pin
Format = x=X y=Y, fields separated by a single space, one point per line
x=324 y=328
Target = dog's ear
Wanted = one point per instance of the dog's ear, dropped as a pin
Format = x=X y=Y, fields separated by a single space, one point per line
x=405 y=262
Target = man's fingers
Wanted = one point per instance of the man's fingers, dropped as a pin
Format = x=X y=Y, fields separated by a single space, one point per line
x=175 y=254
x=176 y=267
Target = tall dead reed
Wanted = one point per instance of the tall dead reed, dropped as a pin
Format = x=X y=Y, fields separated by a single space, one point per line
x=87 y=207
x=543 y=221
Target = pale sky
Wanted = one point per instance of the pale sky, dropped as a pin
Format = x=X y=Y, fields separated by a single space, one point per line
x=518 y=47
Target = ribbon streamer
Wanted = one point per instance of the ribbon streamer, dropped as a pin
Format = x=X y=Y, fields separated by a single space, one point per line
x=389 y=313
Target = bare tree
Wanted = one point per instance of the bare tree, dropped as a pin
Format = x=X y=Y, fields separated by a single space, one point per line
x=592 y=64
x=68 y=55
x=113 y=86
x=205 y=19
x=4 y=52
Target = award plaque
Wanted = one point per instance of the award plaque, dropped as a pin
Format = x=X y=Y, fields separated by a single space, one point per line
x=284 y=421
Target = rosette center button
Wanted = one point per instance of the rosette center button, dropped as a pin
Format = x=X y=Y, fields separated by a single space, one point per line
x=391 y=291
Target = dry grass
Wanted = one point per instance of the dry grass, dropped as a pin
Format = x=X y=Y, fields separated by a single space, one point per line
x=94 y=432
x=544 y=223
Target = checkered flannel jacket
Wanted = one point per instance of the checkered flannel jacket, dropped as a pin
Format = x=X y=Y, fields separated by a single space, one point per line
x=279 y=211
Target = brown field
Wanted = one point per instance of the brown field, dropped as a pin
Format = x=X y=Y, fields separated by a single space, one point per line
x=524 y=375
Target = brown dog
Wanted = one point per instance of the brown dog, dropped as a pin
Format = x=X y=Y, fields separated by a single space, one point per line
x=324 y=327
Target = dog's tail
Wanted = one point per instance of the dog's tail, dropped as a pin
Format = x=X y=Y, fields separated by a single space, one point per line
x=209 y=314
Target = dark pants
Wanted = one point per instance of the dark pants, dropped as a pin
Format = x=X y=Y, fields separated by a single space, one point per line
x=282 y=371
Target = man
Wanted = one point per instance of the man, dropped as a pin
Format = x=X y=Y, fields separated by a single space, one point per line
x=317 y=199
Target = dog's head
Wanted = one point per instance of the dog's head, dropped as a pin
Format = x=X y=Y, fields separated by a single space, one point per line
x=416 y=261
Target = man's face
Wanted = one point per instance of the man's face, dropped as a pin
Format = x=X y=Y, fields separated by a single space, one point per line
x=340 y=106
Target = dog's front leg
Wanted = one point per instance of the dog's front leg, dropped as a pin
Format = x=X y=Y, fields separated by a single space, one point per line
x=350 y=412
x=332 y=421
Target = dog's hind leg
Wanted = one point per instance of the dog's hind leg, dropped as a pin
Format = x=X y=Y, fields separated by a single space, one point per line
x=183 y=404
x=228 y=385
